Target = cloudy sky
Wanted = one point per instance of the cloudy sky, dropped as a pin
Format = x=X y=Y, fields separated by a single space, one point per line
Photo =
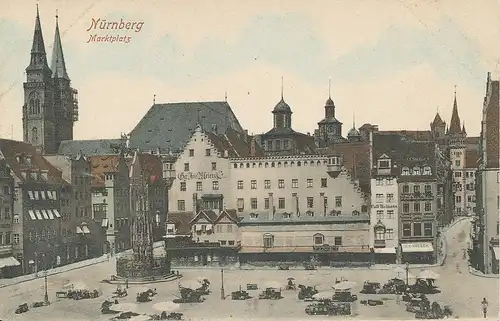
x=391 y=63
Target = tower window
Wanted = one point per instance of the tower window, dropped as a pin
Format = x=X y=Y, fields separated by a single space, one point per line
x=34 y=103
x=34 y=135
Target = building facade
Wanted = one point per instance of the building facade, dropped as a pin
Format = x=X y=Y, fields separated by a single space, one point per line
x=50 y=103
x=10 y=266
x=384 y=213
x=111 y=200
x=82 y=237
x=485 y=254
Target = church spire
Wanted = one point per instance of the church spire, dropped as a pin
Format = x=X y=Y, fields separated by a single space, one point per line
x=38 y=54
x=455 y=119
x=58 y=65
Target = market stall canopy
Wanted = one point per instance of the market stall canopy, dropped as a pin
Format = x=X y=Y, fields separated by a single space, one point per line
x=167 y=306
x=9 y=261
x=428 y=275
x=344 y=285
x=323 y=295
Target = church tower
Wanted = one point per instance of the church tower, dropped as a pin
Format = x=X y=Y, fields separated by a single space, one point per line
x=50 y=107
x=65 y=97
x=38 y=111
x=329 y=128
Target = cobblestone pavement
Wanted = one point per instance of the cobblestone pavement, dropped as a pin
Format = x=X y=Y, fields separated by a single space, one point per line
x=460 y=289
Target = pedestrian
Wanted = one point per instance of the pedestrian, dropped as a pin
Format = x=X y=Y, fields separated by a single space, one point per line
x=126 y=283
x=484 y=305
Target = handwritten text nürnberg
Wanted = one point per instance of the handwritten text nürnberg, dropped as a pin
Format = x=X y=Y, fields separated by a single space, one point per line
x=103 y=24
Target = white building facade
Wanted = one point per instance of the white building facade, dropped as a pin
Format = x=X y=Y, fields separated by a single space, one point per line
x=201 y=175
x=464 y=167
x=384 y=212
x=302 y=185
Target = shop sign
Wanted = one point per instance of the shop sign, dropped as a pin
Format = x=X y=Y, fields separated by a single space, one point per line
x=186 y=176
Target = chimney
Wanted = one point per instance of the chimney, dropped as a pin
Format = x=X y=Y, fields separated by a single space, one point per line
x=252 y=147
x=322 y=203
x=271 y=207
x=195 y=201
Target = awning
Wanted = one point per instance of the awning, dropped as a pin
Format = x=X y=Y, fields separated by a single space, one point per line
x=32 y=214
x=418 y=247
x=42 y=193
x=79 y=230
x=385 y=250
x=44 y=214
x=56 y=212
x=54 y=196
x=85 y=229
x=35 y=193
x=104 y=222
x=38 y=215
x=496 y=250
x=30 y=194
x=9 y=261
x=49 y=195
x=197 y=227
x=51 y=215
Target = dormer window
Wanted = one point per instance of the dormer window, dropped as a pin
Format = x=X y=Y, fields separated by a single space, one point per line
x=405 y=171
x=427 y=170
x=254 y=216
x=287 y=215
x=416 y=171
x=355 y=213
x=310 y=213
x=384 y=164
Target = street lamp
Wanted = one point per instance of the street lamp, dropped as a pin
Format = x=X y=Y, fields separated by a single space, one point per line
x=222 y=296
x=46 y=297
x=407 y=272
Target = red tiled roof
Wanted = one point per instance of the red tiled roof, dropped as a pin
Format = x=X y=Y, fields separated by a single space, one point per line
x=11 y=149
x=101 y=165
x=235 y=143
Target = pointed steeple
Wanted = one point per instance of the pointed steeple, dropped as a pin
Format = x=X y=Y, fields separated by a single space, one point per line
x=58 y=65
x=455 y=119
x=38 y=54
x=463 y=129
x=329 y=105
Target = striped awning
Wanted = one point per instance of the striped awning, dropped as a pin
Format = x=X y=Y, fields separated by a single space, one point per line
x=47 y=214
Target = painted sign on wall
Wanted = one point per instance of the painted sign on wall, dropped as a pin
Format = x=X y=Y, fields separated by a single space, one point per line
x=186 y=176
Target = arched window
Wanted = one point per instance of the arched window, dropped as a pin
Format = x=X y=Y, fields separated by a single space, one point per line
x=427 y=170
x=34 y=135
x=416 y=171
x=406 y=171
x=34 y=103
x=318 y=239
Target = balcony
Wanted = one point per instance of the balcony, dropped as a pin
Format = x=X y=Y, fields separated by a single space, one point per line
x=379 y=243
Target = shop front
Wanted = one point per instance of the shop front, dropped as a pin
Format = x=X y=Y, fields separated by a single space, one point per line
x=184 y=253
x=418 y=252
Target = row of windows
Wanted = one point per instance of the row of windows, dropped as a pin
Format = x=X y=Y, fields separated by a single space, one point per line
x=208 y=152
x=277 y=144
x=417 y=188
x=281 y=183
x=470 y=199
x=417 y=229
x=44 y=234
x=469 y=187
x=384 y=181
x=8 y=238
x=380 y=198
x=318 y=239
x=240 y=203
x=417 y=208
x=6 y=214
x=389 y=214
x=199 y=186
x=469 y=174
x=312 y=163
x=388 y=234
x=416 y=171
x=186 y=166
x=207 y=229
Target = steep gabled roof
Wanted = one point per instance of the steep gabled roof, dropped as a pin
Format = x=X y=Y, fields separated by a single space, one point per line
x=230 y=214
x=455 y=127
x=169 y=126
x=11 y=150
x=101 y=165
x=209 y=215
x=181 y=221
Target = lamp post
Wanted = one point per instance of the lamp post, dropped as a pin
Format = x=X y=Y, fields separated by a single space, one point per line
x=407 y=272
x=222 y=296
x=46 y=296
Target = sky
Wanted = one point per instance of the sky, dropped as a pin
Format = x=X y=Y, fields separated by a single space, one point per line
x=390 y=63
